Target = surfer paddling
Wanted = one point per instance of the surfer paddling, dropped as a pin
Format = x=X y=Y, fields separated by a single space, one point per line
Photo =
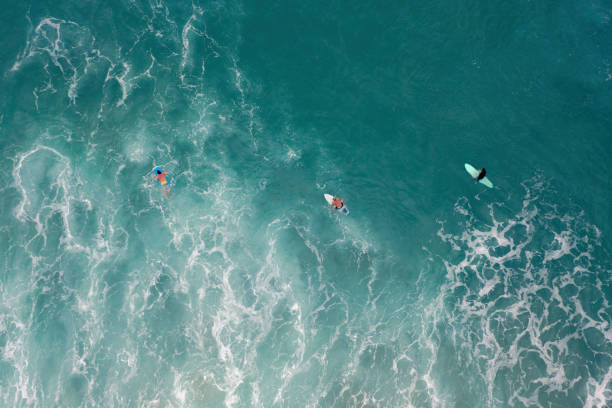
x=160 y=177
x=338 y=203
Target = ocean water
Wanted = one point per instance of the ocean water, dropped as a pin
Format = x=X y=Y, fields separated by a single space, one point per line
x=242 y=288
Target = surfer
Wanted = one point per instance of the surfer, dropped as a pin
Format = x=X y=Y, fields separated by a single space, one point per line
x=160 y=176
x=338 y=203
x=481 y=174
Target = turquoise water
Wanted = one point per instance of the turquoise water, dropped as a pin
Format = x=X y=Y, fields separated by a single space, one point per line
x=242 y=288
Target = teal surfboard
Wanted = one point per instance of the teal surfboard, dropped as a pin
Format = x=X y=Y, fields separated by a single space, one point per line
x=474 y=173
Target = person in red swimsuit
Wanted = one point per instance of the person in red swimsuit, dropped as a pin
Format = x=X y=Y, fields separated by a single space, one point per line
x=338 y=203
x=160 y=176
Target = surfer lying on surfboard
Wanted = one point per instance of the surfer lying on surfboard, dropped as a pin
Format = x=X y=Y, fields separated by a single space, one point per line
x=478 y=175
x=160 y=176
x=338 y=203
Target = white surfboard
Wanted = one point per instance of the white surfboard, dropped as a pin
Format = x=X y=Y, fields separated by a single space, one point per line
x=330 y=199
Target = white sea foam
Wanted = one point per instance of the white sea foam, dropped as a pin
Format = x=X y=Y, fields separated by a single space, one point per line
x=520 y=270
x=57 y=190
x=72 y=50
